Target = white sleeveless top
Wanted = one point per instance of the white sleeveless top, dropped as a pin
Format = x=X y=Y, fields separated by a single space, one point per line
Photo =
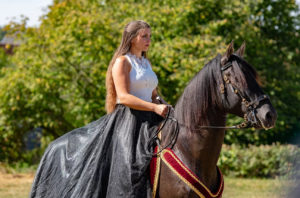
x=142 y=79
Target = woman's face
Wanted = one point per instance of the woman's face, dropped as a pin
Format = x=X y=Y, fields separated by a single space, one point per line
x=142 y=40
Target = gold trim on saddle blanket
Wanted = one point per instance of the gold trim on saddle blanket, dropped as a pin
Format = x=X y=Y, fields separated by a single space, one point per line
x=157 y=168
x=184 y=173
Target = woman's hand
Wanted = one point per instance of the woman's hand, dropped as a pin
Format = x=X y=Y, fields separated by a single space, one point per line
x=161 y=109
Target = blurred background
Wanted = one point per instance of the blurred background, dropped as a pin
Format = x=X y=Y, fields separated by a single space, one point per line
x=54 y=56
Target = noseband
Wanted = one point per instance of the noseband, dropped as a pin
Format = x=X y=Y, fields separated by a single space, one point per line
x=250 y=119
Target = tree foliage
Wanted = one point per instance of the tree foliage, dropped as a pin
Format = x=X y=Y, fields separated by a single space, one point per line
x=56 y=79
x=2 y=33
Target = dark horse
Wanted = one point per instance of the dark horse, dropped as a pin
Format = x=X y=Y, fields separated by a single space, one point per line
x=227 y=84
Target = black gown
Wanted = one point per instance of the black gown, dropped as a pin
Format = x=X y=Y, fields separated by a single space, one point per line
x=108 y=157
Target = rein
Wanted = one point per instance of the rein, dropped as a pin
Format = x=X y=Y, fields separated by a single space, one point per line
x=249 y=121
x=174 y=137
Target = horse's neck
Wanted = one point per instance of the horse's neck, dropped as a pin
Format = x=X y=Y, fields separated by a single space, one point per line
x=200 y=149
x=199 y=105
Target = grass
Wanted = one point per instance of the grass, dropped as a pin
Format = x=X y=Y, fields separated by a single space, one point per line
x=17 y=185
x=255 y=188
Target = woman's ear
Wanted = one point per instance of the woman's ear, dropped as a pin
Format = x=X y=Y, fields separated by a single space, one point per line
x=133 y=41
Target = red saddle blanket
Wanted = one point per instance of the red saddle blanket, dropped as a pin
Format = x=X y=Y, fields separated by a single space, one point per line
x=183 y=172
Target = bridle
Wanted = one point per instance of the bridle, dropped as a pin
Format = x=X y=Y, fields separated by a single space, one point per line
x=250 y=119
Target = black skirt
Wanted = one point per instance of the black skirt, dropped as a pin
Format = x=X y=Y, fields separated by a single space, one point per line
x=108 y=157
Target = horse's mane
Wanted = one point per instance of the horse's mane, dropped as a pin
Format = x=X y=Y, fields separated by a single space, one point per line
x=199 y=94
x=203 y=91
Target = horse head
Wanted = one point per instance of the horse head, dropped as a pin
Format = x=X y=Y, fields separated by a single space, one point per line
x=241 y=92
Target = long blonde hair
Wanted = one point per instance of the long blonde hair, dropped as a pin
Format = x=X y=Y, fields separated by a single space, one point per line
x=131 y=30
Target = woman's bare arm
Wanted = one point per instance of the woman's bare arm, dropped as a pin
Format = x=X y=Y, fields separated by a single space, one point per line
x=120 y=73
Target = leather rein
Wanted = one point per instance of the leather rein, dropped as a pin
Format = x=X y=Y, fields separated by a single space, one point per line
x=250 y=119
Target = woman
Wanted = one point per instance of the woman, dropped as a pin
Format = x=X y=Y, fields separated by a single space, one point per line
x=109 y=157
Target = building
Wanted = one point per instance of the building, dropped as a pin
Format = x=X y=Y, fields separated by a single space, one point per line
x=8 y=43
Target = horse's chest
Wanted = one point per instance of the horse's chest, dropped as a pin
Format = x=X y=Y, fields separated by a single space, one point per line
x=177 y=181
x=172 y=186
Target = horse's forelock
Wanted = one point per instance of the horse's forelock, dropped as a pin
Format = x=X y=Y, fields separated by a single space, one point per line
x=241 y=68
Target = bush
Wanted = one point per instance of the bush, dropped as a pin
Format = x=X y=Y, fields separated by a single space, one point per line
x=259 y=161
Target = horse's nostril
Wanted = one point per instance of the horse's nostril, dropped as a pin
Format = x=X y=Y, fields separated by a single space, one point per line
x=268 y=116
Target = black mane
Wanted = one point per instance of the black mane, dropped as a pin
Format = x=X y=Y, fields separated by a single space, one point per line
x=203 y=91
x=200 y=93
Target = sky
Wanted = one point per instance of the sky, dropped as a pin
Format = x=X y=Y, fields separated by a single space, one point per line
x=33 y=9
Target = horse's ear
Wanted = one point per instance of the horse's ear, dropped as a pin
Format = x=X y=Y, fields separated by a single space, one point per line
x=241 y=50
x=227 y=54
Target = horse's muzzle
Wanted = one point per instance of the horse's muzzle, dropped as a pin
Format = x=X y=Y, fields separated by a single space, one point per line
x=267 y=116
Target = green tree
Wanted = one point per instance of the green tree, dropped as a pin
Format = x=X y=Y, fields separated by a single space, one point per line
x=2 y=33
x=57 y=77
x=271 y=29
